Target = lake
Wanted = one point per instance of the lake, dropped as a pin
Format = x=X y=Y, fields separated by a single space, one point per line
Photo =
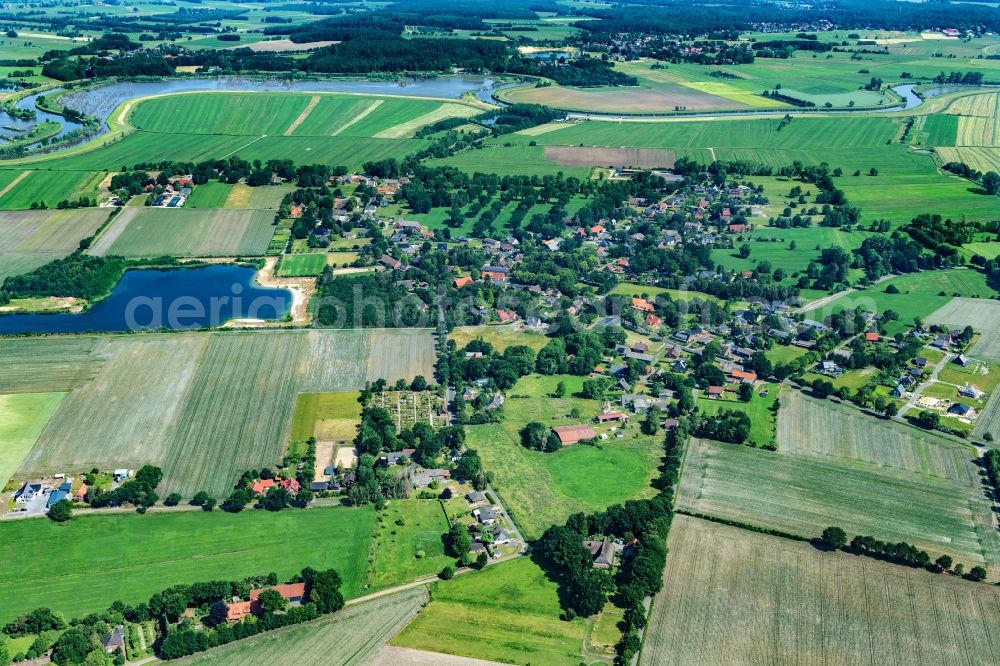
x=176 y=299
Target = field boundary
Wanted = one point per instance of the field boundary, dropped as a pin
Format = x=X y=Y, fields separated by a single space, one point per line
x=374 y=105
x=313 y=102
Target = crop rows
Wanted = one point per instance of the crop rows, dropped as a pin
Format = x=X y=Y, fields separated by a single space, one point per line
x=735 y=597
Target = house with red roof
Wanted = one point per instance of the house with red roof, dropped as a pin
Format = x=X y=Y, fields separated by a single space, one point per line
x=641 y=304
x=463 y=281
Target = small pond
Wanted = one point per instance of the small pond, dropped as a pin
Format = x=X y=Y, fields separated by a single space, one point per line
x=175 y=299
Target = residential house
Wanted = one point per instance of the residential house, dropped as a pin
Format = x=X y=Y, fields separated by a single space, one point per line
x=390 y=262
x=114 y=641
x=424 y=478
x=715 y=392
x=463 y=281
x=963 y=411
x=28 y=492
x=970 y=391
x=641 y=304
x=475 y=497
x=961 y=360
x=602 y=552
x=487 y=515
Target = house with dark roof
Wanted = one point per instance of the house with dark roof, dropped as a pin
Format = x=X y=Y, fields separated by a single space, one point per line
x=602 y=552
x=114 y=641
x=486 y=515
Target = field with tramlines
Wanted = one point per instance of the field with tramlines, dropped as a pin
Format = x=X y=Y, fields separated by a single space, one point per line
x=352 y=636
x=803 y=494
x=982 y=315
x=736 y=597
x=203 y=406
x=826 y=429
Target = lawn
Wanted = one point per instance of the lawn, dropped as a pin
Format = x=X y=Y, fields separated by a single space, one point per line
x=761 y=410
x=784 y=353
x=803 y=494
x=508 y=612
x=187 y=232
x=129 y=557
x=352 y=636
x=500 y=337
x=22 y=417
x=541 y=489
x=763 y=599
x=409 y=540
x=651 y=291
x=302 y=265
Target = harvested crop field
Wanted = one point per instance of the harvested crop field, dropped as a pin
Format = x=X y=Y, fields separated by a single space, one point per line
x=639 y=158
x=31 y=238
x=350 y=637
x=982 y=315
x=826 y=429
x=203 y=406
x=281 y=45
x=187 y=232
x=736 y=597
x=803 y=494
x=665 y=98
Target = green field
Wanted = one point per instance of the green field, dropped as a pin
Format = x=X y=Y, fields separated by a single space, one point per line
x=508 y=612
x=803 y=494
x=205 y=407
x=327 y=416
x=409 y=542
x=183 y=232
x=651 y=291
x=763 y=599
x=48 y=187
x=129 y=557
x=352 y=636
x=22 y=417
x=500 y=337
x=541 y=489
x=302 y=265
x=761 y=411
x=920 y=295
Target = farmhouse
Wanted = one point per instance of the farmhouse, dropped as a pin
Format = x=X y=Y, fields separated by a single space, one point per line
x=569 y=435
x=114 y=641
x=28 y=492
x=602 y=552
x=293 y=593
x=261 y=486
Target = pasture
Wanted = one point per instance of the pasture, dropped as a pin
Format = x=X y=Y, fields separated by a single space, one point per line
x=183 y=232
x=204 y=407
x=409 y=542
x=97 y=566
x=508 y=612
x=214 y=194
x=29 y=239
x=352 y=636
x=541 y=489
x=737 y=597
x=803 y=494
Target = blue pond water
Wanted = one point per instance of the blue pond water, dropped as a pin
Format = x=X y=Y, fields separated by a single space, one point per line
x=179 y=299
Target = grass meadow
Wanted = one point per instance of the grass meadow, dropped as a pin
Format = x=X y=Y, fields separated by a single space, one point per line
x=508 y=612
x=36 y=186
x=352 y=636
x=183 y=232
x=409 y=542
x=203 y=406
x=732 y=596
x=541 y=489
x=129 y=557
x=761 y=411
x=500 y=337
x=327 y=416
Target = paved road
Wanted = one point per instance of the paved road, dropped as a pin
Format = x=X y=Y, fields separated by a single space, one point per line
x=915 y=396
